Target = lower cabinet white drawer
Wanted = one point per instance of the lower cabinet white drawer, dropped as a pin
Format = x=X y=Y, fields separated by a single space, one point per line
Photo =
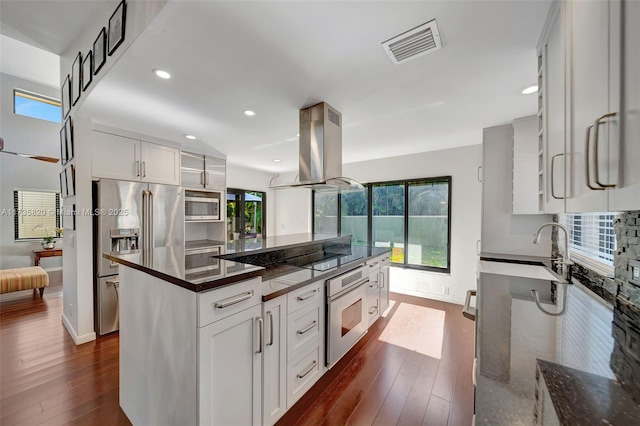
x=305 y=296
x=302 y=373
x=373 y=308
x=217 y=304
x=303 y=330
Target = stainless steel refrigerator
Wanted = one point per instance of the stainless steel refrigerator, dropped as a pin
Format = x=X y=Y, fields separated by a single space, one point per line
x=128 y=217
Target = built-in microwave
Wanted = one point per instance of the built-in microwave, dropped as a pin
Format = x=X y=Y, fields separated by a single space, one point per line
x=201 y=205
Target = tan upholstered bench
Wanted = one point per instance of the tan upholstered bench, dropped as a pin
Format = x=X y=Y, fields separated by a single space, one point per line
x=31 y=277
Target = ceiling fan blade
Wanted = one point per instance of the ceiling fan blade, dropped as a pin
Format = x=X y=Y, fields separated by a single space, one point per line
x=35 y=157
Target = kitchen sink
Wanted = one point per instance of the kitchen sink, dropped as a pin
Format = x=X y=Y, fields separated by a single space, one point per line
x=537 y=272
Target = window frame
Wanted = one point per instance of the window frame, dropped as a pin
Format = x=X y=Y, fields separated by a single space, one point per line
x=579 y=254
x=37 y=97
x=405 y=182
x=241 y=202
x=16 y=216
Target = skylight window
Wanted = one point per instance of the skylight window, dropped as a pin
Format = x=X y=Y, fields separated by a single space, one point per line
x=37 y=106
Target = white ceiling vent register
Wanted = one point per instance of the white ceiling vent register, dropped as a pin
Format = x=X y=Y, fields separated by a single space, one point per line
x=419 y=41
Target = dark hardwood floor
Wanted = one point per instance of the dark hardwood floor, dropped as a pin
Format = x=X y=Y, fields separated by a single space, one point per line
x=413 y=367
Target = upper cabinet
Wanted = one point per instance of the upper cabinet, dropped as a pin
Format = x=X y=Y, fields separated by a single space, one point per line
x=626 y=194
x=525 y=166
x=589 y=107
x=203 y=172
x=119 y=157
x=551 y=113
x=594 y=98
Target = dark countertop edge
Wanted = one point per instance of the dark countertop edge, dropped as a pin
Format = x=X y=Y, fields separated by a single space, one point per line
x=516 y=258
x=323 y=277
x=197 y=288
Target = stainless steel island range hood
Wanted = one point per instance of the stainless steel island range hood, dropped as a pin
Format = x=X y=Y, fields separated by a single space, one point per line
x=320 y=149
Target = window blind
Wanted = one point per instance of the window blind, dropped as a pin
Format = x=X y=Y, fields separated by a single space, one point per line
x=591 y=235
x=33 y=208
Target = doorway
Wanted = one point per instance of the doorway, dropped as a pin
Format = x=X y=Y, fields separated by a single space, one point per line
x=245 y=214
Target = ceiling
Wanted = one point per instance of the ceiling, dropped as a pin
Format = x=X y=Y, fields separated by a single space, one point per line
x=276 y=57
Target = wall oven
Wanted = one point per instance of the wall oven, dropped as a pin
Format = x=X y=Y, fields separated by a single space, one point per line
x=201 y=205
x=346 y=312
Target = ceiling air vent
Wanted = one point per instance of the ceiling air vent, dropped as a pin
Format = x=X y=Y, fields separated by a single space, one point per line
x=419 y=41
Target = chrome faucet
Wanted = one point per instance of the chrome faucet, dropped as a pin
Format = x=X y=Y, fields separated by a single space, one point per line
x=565 y=263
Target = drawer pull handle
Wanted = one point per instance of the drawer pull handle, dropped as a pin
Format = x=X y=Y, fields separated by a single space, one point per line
x=233 y=300
x=373 y=310
x=373 y=264
x=307 y=295
x=309 y=370
x=372 y=285
x=313 y=324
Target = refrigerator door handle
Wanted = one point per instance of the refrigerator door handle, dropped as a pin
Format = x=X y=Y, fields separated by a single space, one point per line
x=150 y=216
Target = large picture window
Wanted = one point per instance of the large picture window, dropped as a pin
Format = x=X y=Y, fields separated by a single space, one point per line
x=246 y=213
x=36 y=214
x=36 y=106
x=412 y=217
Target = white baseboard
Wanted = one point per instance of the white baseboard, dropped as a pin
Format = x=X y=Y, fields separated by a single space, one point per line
x=438 y=297
x=14 y=295
x=78 y=340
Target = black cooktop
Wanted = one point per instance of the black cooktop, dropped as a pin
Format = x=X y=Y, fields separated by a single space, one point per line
x=322 y=261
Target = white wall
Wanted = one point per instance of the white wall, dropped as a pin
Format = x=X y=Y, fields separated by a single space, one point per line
x=293 y=211
x=78 y=254
x=32 y=136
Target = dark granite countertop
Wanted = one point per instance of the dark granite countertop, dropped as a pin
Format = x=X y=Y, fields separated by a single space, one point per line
x=168 y=264
x=278 y=279
x=514 y=337
x=262 y=245
x=581 y=398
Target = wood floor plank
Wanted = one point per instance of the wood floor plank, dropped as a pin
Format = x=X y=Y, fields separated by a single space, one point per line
x=412 y=367
x=437 y=412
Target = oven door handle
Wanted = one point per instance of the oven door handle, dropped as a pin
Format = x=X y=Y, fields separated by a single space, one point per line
x=349 y=289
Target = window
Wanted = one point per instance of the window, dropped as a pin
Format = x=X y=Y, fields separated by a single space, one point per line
x=591 y=238
x=36 y=106
x=246 y=213
x=33 y=208
x=412 y=217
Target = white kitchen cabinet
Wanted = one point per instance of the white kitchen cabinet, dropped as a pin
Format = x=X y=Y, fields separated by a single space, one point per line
x=230 y=375
x=373 y=290
x=525 y=166
x=626 y=194
x=552 y=106
x=594 y=96
x=203 y=172
x=119 y=157
x=305 y=339
x=384 y=285
x=274 y=360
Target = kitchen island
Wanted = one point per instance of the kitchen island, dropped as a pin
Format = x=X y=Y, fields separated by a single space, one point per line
x=192 y=350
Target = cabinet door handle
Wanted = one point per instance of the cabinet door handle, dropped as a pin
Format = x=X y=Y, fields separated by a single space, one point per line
x=307 y=295
x=479 y=174
x=304 y=330
x=137 y=168
x=261 y=334
x=587 y=156
x=553 y=192
x=144 y=169
x=206 y=178
x=233 y=300
x=467 y=310
x=308 y=370
x=478 y=247
x=270 y=314
x=601 y=120
x=381 y=279
x=372 y=310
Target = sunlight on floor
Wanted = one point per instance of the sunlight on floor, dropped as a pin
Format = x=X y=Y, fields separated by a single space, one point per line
x=422 y=328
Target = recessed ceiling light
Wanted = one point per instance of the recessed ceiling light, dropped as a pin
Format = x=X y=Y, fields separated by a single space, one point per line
x=276 y=160
x=162 y=74
x=249 y=112
x=190 y=137
x=530 y=89
x=298 y=135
